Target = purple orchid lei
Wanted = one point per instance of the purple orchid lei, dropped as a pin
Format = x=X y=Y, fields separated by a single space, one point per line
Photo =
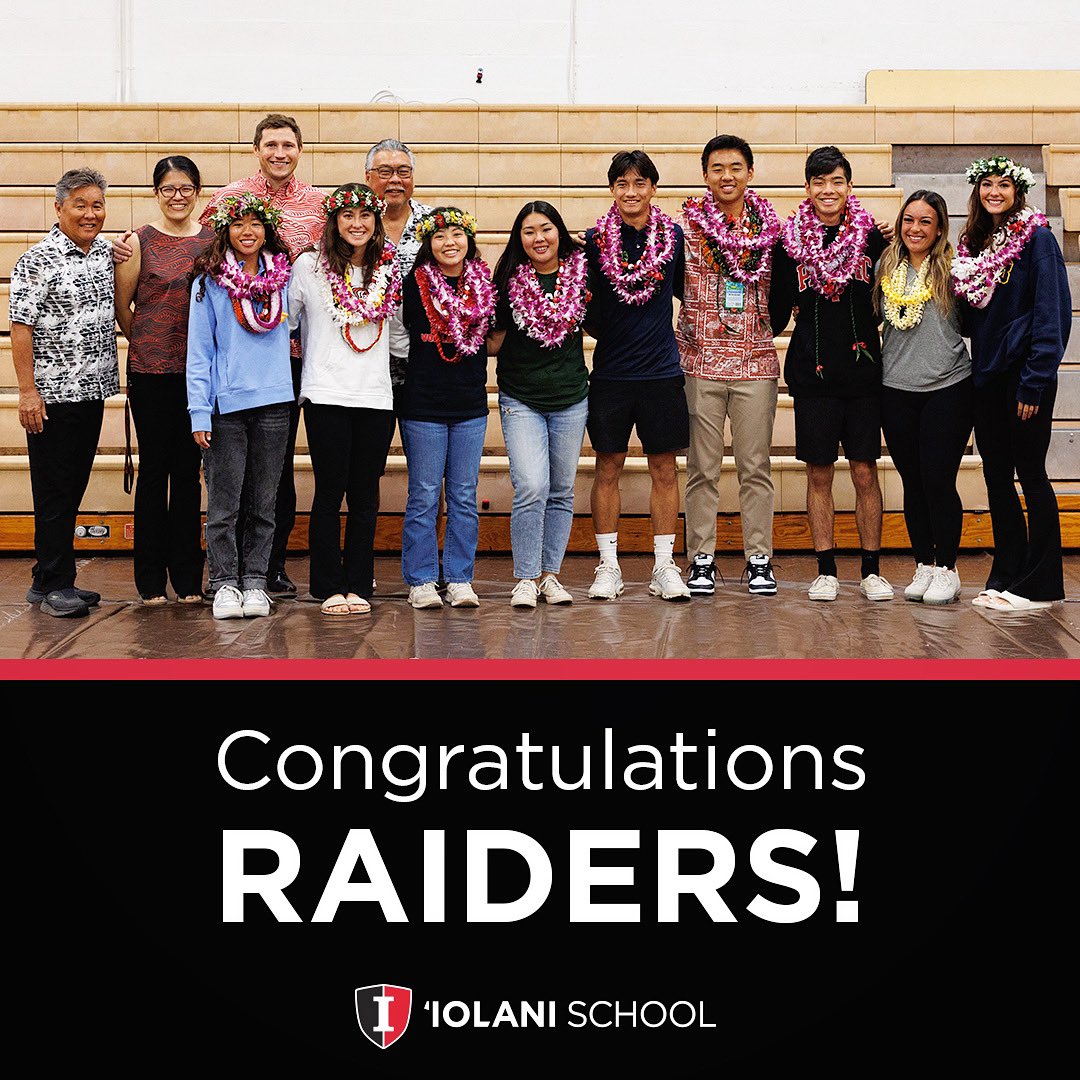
x=550 y=319
x=266 y=288
x=635 y=283
x=741 y=248
x=828 y=269
x=462 y=315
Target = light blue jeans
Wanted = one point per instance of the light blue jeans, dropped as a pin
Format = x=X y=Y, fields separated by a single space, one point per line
x=543 y=448
x=435 y=451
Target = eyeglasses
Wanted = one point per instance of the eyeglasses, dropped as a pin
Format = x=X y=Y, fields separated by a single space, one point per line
x=386 y=171
x=186 y=191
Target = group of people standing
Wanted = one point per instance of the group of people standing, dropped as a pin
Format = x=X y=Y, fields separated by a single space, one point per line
x=365 y=306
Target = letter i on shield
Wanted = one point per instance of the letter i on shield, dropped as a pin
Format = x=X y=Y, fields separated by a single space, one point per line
x=383 y=1013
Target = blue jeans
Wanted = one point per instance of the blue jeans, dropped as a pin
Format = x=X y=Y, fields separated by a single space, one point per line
x=435 y=451
x=543 y=448
x=246 y=454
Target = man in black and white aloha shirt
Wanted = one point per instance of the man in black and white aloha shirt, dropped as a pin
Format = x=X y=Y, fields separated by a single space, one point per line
x=63 y=343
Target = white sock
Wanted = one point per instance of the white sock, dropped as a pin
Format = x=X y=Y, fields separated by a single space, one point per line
x=608 y=545
x=663 y=548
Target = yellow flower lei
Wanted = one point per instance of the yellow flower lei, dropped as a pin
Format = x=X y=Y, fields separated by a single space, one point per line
x=903 y=309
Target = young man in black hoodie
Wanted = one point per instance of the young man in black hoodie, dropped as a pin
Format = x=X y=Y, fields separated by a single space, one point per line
x=823 y=266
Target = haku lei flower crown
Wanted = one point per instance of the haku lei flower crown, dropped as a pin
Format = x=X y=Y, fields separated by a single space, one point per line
x=975 y=277
x=365 y=200
x=264 y=289
x=1000 y=165
x=460 y=316
x=635 y=283
x=430 y=223
x=739 y=248
x=350 y=306
x=550 y=318
x=828 y=269
x=234 y=207
x=903 y=309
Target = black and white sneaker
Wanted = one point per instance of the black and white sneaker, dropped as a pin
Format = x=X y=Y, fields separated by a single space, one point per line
x=702 y=579
x=760 y=576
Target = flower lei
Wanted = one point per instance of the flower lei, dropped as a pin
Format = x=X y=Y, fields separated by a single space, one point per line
x=828 y=269
x=904 y=309
x=635 y=283
x=430 y=223
x=366 y=200
x=350 y=307
x=1000 y=165
x=265 y=288
x=975 y=277
x=740 y=248
x=550 y=318
x=234 y=207
x=458 y=315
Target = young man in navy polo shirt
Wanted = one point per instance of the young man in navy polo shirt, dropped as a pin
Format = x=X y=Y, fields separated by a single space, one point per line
x=636 y=260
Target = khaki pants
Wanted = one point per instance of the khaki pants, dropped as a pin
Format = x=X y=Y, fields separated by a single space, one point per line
x=751 y=406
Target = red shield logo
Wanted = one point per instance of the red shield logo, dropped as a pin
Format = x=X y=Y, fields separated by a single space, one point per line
x=383 y=1012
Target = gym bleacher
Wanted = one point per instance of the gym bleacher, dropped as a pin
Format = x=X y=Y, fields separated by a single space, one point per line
x=492 y=159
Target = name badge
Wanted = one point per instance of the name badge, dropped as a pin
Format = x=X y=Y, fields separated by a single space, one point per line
x=734 y=295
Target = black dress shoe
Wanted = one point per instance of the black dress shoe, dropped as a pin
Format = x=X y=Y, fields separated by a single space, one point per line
x=278 y=584
x=65 y=604
x=35 y=595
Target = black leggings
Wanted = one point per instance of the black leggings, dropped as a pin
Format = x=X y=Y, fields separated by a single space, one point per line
x=348 y=454
x=1027 y=556
x=926 y=433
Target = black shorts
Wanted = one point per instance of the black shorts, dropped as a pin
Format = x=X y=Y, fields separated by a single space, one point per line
x=657 y=407
x=822 y=423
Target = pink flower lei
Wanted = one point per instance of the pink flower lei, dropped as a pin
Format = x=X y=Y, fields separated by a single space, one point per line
x=635 y=283
x=264 y=288
x=550 y=318
x=375 y=303
x=975 y=277
x=460 y=315
x=828 y=269
x=741 y=248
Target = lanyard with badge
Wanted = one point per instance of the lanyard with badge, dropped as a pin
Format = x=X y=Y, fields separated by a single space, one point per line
x=732 y=298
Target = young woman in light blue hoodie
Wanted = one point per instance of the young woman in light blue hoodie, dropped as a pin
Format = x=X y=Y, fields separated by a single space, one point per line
x=239 y=384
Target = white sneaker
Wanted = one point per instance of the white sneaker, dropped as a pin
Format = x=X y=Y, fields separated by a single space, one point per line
x=552 y=591
x=256 y=602
x=425 y=596
x=945 y=588
x=667 y=582
x=460 y=594
x=875 y=587
x=524 y=594
x=824 y=587
x=607 y=582
x=228 y=603
x=920 y=582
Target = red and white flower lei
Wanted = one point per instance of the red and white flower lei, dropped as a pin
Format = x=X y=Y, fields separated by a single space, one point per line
x=550 y=318
x=828 y=269
x=740 y=248
x=975 y=277
x=635 y=283
x=350 y=307
x=264 y=288
x=460 y=316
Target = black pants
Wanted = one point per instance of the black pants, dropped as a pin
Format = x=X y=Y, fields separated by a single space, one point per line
x=926 y=434
x=61 y=458
x=169 y=492
x=1027 y=557
x=285 y=502
x=348 y=454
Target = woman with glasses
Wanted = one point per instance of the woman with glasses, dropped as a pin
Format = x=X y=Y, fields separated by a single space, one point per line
x=156 y=281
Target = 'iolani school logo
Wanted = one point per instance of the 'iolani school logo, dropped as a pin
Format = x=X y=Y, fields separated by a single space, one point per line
x=383 y=1012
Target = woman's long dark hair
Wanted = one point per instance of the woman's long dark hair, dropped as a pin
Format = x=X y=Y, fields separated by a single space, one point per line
x=514 y=255
x=980 y=226
x=213 y=258
x=337 y=252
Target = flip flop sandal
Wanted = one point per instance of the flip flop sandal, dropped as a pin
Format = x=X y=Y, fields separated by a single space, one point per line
x=1022 y=603
x=337 y=601
x=986 y=599
x=154 y=601
x=195 y=598
x=357 y=604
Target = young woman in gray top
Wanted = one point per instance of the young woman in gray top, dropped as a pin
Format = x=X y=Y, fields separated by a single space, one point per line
x=927 y=400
